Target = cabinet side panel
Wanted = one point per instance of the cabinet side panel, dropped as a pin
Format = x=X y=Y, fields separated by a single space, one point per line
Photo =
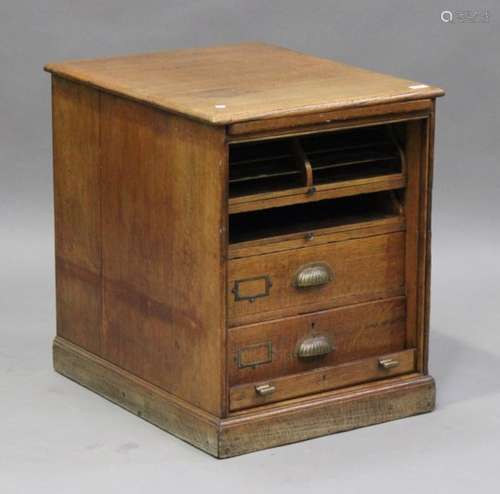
x=163 y=230
x=425 y=240
x=75 y=114
x=414 y=140
x=419 y=161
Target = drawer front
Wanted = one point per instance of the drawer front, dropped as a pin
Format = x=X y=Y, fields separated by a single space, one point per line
x=303 y=343
x=323 y=379
x=313 y=278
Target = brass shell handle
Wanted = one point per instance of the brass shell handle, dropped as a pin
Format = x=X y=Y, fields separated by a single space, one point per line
x=265 y=389
x=315 y=274
x=315 y=347
x=388 y=363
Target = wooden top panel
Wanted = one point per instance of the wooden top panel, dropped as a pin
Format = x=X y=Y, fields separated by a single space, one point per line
x=236 y=83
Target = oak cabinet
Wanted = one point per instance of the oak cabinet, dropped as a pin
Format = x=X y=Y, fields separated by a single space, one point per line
x=243 y=241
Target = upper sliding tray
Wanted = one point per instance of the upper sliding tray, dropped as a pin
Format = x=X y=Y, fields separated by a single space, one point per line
x=291 y=170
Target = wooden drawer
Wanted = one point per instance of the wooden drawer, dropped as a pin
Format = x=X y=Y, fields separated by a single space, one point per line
x=322 y=379
x=271 y=349
x=267 y=286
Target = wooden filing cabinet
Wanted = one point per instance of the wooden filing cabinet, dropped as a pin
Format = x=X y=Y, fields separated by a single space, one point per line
x=242 y=241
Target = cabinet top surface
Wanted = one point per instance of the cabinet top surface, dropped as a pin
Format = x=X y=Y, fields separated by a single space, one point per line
x=236 y=83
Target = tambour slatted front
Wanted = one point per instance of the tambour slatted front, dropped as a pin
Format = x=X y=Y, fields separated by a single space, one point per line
x=242 y=241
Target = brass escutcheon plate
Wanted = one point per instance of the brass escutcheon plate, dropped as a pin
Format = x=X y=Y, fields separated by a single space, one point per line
x=255 y=355
x=252 y=288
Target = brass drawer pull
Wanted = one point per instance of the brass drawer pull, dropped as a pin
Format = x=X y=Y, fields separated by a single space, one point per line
x=315 y=274
x=315 y=347
x=388 y=363
x=265 y=389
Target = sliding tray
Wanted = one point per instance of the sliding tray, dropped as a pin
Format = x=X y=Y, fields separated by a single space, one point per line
x=315 y=223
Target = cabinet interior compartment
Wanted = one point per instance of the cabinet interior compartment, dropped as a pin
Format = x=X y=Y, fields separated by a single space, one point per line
x=262 y=166
x=352 y=154
x=315 y=159
x=310 y=216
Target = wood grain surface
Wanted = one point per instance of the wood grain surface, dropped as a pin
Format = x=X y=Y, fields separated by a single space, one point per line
x=363 y=269
x=327 y=413
x=140 y=278
x=356 y=332
x=163 y=247
x=234 y=83
x=248 y=430
x=321 y=379
x=329 y=120
x=77 y=210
